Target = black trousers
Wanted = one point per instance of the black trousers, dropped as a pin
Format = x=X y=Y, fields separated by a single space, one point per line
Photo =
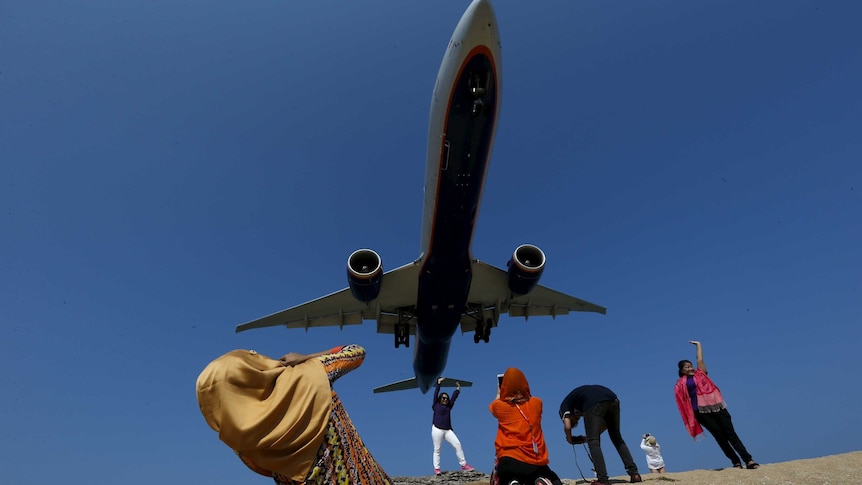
x=606 y=413
x=720 y=427
x=509 y=469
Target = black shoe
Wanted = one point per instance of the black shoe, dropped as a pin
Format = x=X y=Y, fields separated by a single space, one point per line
x=636 y=478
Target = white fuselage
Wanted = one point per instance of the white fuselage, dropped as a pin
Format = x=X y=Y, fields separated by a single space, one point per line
x=464 y=110
x=476 y=29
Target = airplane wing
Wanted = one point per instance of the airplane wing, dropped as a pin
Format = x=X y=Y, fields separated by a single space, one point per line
x=412 y=384
x=490 y=297
x=398 y=290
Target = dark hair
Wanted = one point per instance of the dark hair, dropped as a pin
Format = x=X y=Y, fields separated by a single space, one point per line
x=680 y=364
x=444 y=395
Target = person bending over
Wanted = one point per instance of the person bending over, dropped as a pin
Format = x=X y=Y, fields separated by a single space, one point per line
x=600 y=409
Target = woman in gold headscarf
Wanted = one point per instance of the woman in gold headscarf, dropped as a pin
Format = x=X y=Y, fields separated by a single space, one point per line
x=283 y=419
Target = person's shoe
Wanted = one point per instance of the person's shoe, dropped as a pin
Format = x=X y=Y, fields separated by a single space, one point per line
x=636 y=478
x=599 y=482
x=436 y=471
x=467 y=468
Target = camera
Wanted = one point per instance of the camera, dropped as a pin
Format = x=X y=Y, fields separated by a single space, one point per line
x=499 y=379
x=646 y=435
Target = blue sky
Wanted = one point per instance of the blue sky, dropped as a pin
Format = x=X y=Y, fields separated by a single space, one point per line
x=169 y=170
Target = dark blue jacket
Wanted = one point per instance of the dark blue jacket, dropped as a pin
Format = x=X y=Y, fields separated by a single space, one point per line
x=583 y=398
x=442 y=417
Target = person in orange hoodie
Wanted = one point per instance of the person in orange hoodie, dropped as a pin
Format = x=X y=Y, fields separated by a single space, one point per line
x=522 y=457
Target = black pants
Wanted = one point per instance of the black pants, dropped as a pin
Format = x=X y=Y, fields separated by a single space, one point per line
x=606 y=413
x=509 y=469
x=720 y=427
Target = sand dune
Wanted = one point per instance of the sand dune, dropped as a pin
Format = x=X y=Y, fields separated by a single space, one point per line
x=835 y=469
x=841 y=469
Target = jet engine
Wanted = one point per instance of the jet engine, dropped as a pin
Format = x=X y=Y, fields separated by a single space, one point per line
x=364 y=274
x=525 y=268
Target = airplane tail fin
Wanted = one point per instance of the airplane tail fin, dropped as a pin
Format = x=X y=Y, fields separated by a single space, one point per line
x=412 y=384
x=449 y=382
x=398 y=386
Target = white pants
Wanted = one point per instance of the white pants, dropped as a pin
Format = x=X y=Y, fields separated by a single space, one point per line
x=437 y=436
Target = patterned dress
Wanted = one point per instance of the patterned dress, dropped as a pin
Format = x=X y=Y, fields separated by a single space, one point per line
x=342 y=458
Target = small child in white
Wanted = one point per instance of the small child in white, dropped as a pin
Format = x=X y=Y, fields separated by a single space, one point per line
x=654 y=460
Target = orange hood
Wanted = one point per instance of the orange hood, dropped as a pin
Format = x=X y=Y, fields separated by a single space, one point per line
x=515 y=388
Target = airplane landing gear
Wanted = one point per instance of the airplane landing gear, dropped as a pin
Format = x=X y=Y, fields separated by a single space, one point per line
x=476 y=87
x=402 y=334
x=483 y=332
x=478 y=107
x=478 y=91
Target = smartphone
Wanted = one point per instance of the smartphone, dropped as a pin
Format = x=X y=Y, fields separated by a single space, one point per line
x=499 y=379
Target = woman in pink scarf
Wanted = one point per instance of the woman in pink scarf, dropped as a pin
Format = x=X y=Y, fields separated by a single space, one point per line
x=700 y=403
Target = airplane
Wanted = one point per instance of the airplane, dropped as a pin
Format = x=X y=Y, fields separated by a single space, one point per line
x=445 y=286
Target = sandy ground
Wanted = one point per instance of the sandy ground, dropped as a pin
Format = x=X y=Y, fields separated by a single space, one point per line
x=835 y=469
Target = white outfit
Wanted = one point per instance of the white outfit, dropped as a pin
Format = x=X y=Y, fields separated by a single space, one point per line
x=653 y=455
x=437 y=437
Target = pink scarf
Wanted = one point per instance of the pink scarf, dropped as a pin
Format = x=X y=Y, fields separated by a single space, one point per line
x=708 y=400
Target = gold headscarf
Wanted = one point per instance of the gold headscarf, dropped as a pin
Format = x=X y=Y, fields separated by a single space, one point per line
x=276 y=416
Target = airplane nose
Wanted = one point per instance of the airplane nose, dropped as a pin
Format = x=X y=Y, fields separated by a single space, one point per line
x=485 y=4
x=480 y=14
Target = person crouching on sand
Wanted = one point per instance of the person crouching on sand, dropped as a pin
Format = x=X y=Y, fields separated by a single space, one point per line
x=654 y=460
x=522 y=456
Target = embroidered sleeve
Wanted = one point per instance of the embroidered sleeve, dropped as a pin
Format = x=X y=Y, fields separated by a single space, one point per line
x=343 y=361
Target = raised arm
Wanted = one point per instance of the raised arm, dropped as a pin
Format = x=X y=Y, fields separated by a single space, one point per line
x=700 y=364
x=437 y=391
x=644 y=446
x=455 y=394
x=293 y=358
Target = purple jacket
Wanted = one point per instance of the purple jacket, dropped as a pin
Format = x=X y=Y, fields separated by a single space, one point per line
x=442 y=417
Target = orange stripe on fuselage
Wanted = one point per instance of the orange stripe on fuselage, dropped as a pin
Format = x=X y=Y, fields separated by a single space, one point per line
x=478 y=50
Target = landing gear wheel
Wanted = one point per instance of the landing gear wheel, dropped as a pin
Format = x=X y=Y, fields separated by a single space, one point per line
x=484 y=331
x=402 y=334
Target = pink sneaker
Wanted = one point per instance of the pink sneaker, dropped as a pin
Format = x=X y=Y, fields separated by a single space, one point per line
x=467 y=468
x=436 y=471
